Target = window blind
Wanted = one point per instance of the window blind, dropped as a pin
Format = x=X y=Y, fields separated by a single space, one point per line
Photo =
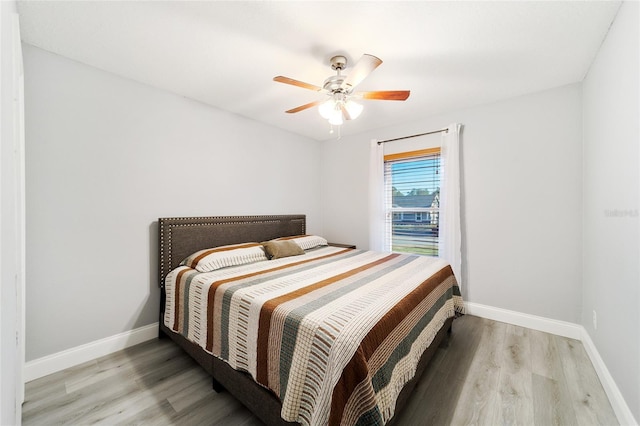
x=412 y=201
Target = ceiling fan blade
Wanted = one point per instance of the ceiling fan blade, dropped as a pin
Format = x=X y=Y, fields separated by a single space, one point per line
x=303 y=107
x=287 y=80
x=345 y=113
x=361 y=70
x=385 y=95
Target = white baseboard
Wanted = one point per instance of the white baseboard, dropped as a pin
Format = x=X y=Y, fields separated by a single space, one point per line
x=559 y=328
x=565 y=329
x=625 y=417
x=59 y=361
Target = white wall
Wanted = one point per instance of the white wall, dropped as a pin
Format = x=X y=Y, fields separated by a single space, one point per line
x=521 y=210
x=611 y=201
x=11 y=359
x=106 y=157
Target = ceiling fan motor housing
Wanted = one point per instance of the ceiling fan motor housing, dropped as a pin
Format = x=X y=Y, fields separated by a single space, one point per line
x=338 y=63
x=334 y=83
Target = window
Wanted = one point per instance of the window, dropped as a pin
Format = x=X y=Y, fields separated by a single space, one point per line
x=412 y=201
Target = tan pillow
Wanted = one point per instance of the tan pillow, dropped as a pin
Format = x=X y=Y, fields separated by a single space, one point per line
x=278 y=249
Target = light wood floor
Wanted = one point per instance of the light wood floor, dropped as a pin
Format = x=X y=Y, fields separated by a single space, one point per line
x=489 y=373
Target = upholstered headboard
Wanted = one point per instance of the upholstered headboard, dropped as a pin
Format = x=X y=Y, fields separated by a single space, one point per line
x=182 y=236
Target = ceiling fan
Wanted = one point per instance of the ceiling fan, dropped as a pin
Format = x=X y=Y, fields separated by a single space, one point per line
x=339 y=88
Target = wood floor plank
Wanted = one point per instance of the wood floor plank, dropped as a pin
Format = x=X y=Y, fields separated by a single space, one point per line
x=38 y=391
x=175 y=377
x=552 y=402
x=436 y=405
x=437 y=393
x=146 y=355
x=77 y=407
x=120 y=364
x=590 y=405
x=480 y=390
x=199 y=389
x=41 y=392
x=545 y=356
x=462 y=347
x=214 y=410
x=515 y=385
x=488 y=373
x=160 y=414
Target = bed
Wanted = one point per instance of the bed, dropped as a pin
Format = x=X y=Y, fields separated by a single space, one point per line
x=312 y=338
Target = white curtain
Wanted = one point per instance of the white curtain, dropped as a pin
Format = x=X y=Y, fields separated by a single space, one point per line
x=450 y=238
x=376 y=197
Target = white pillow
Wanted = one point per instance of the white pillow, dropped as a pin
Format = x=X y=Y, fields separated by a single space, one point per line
x=208 y=260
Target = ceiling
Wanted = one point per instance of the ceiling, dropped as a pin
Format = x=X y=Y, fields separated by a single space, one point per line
x=451 y=55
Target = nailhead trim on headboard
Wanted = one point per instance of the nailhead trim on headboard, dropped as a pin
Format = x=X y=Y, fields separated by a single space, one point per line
x=167 y=226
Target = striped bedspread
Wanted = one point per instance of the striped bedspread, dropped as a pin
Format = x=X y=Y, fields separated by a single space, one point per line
x=335 y=333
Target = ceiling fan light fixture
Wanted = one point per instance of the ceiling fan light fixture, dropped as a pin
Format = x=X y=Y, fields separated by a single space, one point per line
x=332 y=110
x=326 y=109
x=336 y=117
x=354 y=109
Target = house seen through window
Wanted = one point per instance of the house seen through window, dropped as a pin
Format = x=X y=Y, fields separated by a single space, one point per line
x=412 y=201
